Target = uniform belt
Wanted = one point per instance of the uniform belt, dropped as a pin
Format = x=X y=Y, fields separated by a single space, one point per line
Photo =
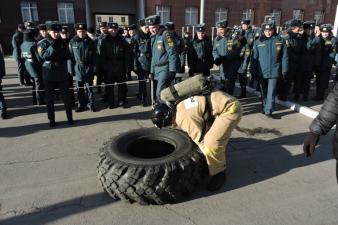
x=161 y=64
x=53 y=63
x=29 y=60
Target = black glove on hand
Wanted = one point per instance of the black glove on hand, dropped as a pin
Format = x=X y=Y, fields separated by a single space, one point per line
x=310 y=142
x=182 y=69
x=172 y=74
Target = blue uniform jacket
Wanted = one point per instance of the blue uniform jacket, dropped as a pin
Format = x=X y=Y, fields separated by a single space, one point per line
x=164 y=54
x=2 y=64
x=29 y=52
x=270 y=57
x=83 y=52
x=142 y=51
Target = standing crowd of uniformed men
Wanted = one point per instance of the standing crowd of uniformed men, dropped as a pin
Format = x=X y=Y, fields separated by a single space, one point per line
x=280 y=64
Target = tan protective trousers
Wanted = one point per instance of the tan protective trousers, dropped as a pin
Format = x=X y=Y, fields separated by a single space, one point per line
x=216 y=139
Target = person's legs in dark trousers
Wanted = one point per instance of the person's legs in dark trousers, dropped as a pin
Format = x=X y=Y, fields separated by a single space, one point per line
x=64 y=85
x=163 y=81
x=109 y=90
x=306 y=82
x=3 y=105
x=99 y=79
x=142 y=86
x=121 y=90
x=298 y=84
x=264 y=91
x=24 y=77
x=49 y=92
x=34 y=92
x=40 y=92
x=243 y=82
x=81 y=96
x=270 y=97
x=323 y=82
x=71 y=90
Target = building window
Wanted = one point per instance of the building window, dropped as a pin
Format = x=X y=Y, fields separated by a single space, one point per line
x=298 y=14
x=99 y=19
x=66 y=13
x=111 y=19
x=319 y=16
x=164 y=13
x=221 y=14
x=276 y=14
x=29 y=11
x=123 y=19
x=249 y=14
x=191 y=16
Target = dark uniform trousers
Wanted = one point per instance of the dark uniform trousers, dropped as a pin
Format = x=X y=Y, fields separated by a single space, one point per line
x=268 y=91
x=38 y=91
x=50 y=87
x=162 y=80
x=110 y=81
x=142 y=75
x=3 y=106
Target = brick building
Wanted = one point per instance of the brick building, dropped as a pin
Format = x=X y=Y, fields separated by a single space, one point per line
x=183 y=12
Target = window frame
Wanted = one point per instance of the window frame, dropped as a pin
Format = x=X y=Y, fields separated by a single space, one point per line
x=161 y=12
x=65 y=10
x=32 y=8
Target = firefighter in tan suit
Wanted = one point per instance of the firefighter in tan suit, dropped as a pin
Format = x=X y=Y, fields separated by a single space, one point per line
x=209 y=121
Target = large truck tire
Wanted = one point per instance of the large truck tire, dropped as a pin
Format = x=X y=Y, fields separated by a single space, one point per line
x=150 y=166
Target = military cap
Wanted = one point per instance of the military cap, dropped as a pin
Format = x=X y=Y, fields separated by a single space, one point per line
x=142 y=22
x=120 y=30
x=268 y=26
x=296 y=23
x=21 y=26
x=131 y=27
x=170 y=25
x=42 y=27
x=80 y=26
x=91 y=30
x=113 y=25
x=64 y=29
x=200 y=27
x=29 y=24
x=53 y=26
x=309 y=24
x=326 y=27
x=247 y=22
x=153 y=20
x=222 y=24
x=103 y=24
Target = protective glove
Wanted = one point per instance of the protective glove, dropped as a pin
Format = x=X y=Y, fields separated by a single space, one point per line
x=310 y=142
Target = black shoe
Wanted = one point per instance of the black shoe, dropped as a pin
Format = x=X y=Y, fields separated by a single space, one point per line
x=71 y=122
x=111 y=106
x=52 y=123
x=35 y=103
x=4 y=115
x=41 y=103
x=317 y=98
x=305 y=98
x=282 y=98
x=80 y=109
x=271 y=116
x=121 y=104
x=216 y=182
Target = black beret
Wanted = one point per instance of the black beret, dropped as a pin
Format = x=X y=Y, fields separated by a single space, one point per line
x=222 y=24
x=142 y=22
x=103 y=24
x=170 y=25
x=296 y=23
x=80 y=26
x=200 y=28
x=54 y=26
x=132 y=27
x=42 y=27
x=247 y=22
x=326 y=27
x=153 y=20
x=113 y=25
x=309 y=24
x=268 y=26
x=29 y=24
x=64 y=29
x=91 y=30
